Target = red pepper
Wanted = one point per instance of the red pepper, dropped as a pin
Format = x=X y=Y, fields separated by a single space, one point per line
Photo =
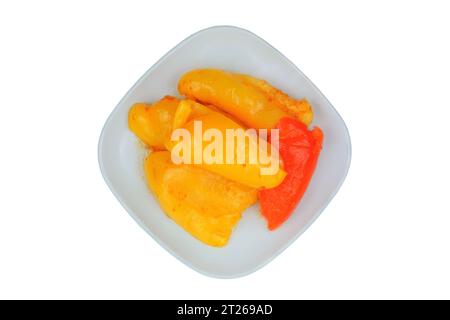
x=299 y=149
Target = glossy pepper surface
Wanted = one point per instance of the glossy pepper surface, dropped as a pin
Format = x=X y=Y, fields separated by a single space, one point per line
x=299 y=148
x=152 y=123
x=248 y=173
x=204 y=204
x=253 y=101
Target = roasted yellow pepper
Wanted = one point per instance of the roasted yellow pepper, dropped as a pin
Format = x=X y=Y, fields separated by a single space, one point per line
x=153 y=123
x=206 y=205
x=188 y=110
x=254 y=102
x=246 y=172
x=298 y=109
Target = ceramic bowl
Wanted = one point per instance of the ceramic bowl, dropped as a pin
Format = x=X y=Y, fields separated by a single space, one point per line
x=251 y=245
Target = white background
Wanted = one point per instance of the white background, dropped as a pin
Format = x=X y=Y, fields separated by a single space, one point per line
x=385 y=66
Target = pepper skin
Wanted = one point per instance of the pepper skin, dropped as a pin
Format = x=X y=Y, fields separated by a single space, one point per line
x=299 y=149
x=204 y=204
x=254 y=102
x=247 y=173
x=188 y=110
x=298 y=109
x=152 y=123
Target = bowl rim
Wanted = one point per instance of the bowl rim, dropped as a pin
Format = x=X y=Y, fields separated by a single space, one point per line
x=161 y=242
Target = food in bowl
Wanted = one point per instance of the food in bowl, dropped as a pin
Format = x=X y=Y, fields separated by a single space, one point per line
x=230 y=141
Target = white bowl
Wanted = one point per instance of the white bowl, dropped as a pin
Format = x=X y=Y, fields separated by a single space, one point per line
x=251 y=245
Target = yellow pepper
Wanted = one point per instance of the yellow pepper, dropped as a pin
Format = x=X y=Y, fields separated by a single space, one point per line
x=153 y=123
x=298 y=109
x=187 y=110
x=245 y=172
x=254 y=102
x=206 y=205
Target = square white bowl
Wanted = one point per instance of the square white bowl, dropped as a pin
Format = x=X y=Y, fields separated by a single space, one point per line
x=251 y=245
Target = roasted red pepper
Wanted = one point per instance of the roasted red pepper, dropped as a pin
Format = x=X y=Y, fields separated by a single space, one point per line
x=299 y=150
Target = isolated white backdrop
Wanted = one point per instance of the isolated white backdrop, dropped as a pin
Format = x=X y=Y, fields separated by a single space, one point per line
x=64 y=66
